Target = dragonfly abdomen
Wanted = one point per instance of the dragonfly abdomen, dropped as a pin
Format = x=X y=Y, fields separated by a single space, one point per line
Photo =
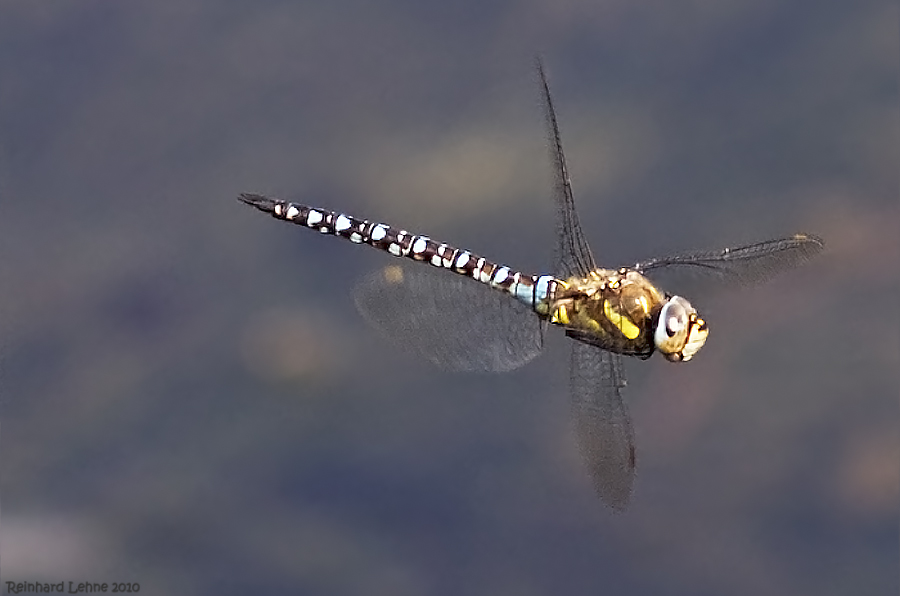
x=533 y=290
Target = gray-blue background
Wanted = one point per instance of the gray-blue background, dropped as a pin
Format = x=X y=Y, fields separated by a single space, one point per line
x=190 y=401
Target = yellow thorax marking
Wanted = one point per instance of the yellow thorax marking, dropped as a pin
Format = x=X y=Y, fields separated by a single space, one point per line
x=628 y=329
x=578 y=320
x=560 y=315
x=644 y=305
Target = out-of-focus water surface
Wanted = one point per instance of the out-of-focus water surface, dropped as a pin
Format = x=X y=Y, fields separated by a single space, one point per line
x=190 y=400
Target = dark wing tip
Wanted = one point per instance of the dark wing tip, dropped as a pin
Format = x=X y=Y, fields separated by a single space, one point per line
x=260 y=202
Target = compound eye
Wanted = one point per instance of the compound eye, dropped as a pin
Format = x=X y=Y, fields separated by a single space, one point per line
x=676 y=319
x=673 y=327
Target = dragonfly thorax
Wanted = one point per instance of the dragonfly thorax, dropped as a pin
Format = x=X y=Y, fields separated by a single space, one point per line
x=622 y=311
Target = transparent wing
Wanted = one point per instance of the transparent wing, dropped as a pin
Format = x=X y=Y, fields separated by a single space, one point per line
x=573 y=254
x=602 y=424
x=738 y=266
x=455 y=322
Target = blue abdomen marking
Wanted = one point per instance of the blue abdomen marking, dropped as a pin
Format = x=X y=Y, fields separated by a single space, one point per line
x=529 y=289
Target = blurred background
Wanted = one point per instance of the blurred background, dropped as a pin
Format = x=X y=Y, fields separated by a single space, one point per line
x=190 y=400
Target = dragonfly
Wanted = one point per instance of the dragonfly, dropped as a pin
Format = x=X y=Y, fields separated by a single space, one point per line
x=491 y=317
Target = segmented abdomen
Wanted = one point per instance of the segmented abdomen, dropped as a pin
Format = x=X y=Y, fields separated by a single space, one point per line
x=533 y=290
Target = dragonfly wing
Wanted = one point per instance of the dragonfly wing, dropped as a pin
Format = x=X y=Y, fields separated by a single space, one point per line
x=573 y=254
x=455 y=322
x=602 y=424
x=740 y=266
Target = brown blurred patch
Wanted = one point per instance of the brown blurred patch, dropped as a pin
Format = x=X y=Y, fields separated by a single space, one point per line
x=283 y=344
x=867 y=476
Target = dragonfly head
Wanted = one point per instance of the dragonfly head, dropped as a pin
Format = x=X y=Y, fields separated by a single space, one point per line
x=679 y=332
